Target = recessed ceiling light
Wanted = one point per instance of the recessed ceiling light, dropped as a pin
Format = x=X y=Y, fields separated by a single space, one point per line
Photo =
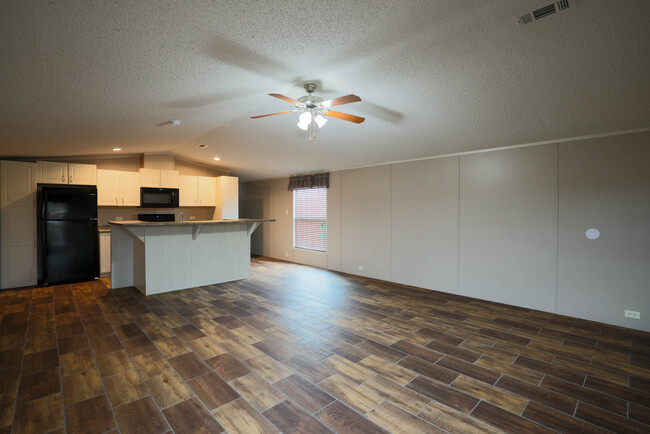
x=217 y=158
x=117 y=149
x=202 y=145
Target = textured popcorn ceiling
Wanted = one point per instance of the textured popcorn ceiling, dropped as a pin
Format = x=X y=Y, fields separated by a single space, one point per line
x=79 y=77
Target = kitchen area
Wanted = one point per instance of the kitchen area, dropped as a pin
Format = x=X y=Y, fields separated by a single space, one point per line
x=58 y=220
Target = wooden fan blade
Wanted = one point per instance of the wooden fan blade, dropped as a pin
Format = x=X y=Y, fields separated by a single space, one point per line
x=272 y=114
x=344 y=116
x=285 y=98
x=347 y=99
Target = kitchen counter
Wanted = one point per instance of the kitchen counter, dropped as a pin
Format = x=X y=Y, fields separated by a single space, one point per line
x=104 y=228
x=158 y=257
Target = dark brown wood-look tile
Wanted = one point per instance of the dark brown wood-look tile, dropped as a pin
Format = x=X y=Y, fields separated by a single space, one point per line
x=308 y=369
x=75 y=328
x=346 y=368
x=289 y=418
x=7 y=408
x=40 y=415
x=452 y=350
x=469 y=369
x=172 y=347
x=443 y=393
x=188 y=332
x=639 y=413
x=352 y=394
x=343 y=420
x=395 y=419
x=228 y=367
x=428 y=369
x=551 y=399
x=380 y=350
x=581 y=393
x=11 y=358
x=229 y=321
x=614 y=389
x=124 y=387
x=399 y=395
x=150 y=364
x=212 y=390
x=189 y=366
x=639 y=383
x=191 y=417
x=555 y=371
x=168 y=389
x=515 y=339
x=73 y=343
x=39 y=385
x=268 y=368
x=105 y=345
x=310 y=397
x=128 y=331
x=141 y=416
x=505 y=420
x=417 y=351
x=138 y=345
x=40 y=361
x=501 y=398
x=452 y=420
x=90 y=416
x=76 y=362
x=257 y=391
x=113 y=363
x=607 y=420
x=594 y=370
x=82 y=385
x=558 y=421
x=241 y=418
x=9 y=380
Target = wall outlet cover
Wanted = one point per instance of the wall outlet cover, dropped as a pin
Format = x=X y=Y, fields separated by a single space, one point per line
x=192 y=217
x=632 y=314
x=118 y=219
x=361 y=267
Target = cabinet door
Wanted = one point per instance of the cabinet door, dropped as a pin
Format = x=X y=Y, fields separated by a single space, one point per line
x=230 y=190
x=129 y=188
x=18 y=224
x=150 y=178
x=229 y=212
x=108 y=187
x=104 y=252
x=82 y=174
x=51 y=172
x=169 y=179
x=189 y=189
x=207 y=191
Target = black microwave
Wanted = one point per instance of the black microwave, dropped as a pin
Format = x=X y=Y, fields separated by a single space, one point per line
x=158 y=197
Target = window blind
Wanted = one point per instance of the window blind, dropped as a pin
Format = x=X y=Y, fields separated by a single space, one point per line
x=310 y=219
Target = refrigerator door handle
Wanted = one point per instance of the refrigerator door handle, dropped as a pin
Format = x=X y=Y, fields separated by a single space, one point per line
x=43 y=221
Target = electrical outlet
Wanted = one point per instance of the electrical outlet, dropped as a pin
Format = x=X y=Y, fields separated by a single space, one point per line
x=192 y=217
x=286 y=254
x=286 y=212
x=632 y=314
x=118 y=219
x=360 y=267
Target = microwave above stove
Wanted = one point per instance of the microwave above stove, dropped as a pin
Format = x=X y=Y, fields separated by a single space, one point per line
x=158 y=197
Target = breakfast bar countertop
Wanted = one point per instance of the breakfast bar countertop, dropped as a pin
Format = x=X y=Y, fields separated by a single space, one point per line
x=187 y=223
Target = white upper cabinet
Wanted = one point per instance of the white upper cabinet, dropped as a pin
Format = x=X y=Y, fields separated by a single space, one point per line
x=169 y=179
x=118 y=188
x=82 y=174
x=227 y=206
x=150 y=177
x=54 y=172
x=51 y=172
x=18 y=224
x=158 y=178
x=129 y=188
x=207 y=191
x=189 y=191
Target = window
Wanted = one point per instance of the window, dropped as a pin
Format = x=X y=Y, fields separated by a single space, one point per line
x=310 y=219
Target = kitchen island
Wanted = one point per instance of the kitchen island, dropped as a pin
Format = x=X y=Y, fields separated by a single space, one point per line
x=158 y=257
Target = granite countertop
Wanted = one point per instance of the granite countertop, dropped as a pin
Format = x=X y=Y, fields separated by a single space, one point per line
x=188 y=223
x=104 y=228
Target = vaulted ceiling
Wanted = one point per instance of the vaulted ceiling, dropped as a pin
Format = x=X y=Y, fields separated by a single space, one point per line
x=80 y=77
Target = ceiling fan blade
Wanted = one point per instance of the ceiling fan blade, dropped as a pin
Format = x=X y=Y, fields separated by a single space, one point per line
x=347 y=99
x=344 y=116
x=272 y=114
x=285 y=98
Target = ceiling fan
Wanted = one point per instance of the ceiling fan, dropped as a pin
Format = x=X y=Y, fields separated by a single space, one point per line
x=312 y=109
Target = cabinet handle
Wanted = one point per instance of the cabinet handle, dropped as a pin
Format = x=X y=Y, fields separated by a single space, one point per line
x=62 y=177
x=116 y=202
x=122 y=200
x=70 y=179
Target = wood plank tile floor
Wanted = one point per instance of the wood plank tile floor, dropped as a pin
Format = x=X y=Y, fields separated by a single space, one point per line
x=300 y=349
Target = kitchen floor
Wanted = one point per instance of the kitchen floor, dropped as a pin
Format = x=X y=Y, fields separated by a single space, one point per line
x=300 y=349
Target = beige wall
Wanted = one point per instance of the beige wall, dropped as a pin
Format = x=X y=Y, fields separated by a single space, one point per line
x=506 y=226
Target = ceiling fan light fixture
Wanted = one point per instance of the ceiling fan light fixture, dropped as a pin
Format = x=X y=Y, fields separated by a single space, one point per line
x=320 y=120
x=303 y=126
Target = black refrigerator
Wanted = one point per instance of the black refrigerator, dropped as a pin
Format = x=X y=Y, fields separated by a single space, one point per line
x=69 y=242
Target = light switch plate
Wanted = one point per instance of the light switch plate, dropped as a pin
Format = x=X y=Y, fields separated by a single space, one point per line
x=632 y=314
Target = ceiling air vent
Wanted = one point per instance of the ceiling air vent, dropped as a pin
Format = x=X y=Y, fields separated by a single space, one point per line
x=545 y=11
